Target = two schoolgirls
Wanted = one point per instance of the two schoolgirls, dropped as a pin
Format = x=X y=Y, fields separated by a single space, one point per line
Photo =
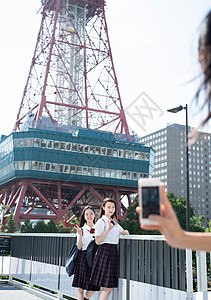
x=104 y=271
x=85 y=234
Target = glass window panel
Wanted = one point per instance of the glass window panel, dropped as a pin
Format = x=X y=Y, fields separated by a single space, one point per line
x=43 y=143
x=49 y=144
x=141 y=175
x=80 y=148
x=68 y=146
x=135 y=176
x=146 y=175
x=56 y=145
x=96 y=172
x=90 y=171
x=60 y=168
x=26 y=142
x=98 y=150
x=131 y=154
x=86 y=149
x=31 y=142
x=34 y=165
x=47 y=166
x=118 y=174
x=53 y=167
x=124 y=175
x=142 y=155
x=66 y=168
x=103 y=151
x=20 y=143
x=92 y=149
x=146 y=156
x=125 y=154
x=85 y=170
x=72 y=169
x=102 y=172
x=136 y=155
x=107 y=173
x=74 y=147
x=36 y=142
x=78 y=170
x=62 y=145
x=129 y=175
x=113 y=173
x=115 y=152
x=120 y=153
x=20 y=165
x=41 y=166
x=26 y=165
x=109 y=151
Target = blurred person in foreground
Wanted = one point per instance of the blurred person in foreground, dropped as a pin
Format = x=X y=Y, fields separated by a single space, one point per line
x=168 y=223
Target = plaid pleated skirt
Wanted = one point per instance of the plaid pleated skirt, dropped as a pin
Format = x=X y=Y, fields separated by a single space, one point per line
x=82 y=274
x=105 y=269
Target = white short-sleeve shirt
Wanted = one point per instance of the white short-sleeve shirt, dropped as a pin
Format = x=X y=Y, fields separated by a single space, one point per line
x=87 y=236
x=113 y=235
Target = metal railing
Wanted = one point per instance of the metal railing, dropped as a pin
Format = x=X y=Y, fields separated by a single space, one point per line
x=144 y=259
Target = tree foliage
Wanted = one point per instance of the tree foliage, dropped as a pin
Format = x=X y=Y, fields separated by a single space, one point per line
x=179 y=204
x=43 y=227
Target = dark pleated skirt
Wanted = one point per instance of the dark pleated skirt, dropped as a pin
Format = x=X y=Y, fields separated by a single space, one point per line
x=105 y=269
x=82 y=274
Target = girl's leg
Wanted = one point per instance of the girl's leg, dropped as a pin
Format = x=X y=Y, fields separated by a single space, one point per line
x=89 y=294
x=80 y=294
x=105 y=292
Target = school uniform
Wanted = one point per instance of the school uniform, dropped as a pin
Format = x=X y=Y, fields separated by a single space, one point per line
x=83 y=271
x=105 y=269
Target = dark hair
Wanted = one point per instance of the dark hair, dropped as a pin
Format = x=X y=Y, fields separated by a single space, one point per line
x=82 y=220
x=102 y=211
x=204 y=52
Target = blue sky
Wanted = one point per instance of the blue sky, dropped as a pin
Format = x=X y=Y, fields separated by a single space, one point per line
x=154 y=46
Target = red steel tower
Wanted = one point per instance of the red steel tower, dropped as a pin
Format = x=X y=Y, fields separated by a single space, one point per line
x=71 y=83
x=72 y=79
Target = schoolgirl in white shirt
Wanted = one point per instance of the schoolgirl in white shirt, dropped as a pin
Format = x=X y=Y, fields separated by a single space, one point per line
x=106 y=261
x=85 y=234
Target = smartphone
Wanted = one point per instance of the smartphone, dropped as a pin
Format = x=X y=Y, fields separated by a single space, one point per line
x=149 y=191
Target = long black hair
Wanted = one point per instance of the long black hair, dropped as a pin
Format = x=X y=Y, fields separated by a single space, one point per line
x=204 y=52
x=102 y=211
x=82 y=220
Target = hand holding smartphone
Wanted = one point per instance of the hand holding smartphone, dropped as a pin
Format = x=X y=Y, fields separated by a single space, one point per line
x=149 y=191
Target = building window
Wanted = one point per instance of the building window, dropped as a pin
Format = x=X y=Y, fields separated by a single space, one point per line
x=74 y=147
x=80 y=148
x=68 y=146
x=109 y=151
x=72 y=170
x=62 y=145
x=53 y=167
x=56 y=145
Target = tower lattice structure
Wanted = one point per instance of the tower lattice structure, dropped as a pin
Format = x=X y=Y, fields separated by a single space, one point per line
x=72 y=79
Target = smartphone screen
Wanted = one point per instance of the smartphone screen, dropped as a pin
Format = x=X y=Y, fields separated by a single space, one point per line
x=150 y=201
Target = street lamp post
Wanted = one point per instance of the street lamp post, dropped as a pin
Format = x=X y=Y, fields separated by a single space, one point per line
x=175 y=110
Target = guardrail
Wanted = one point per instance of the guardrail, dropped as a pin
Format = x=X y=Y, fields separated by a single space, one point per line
x=147 y=266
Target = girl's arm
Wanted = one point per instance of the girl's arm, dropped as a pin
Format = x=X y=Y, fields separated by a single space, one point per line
x=79 y=240
x=100 y=239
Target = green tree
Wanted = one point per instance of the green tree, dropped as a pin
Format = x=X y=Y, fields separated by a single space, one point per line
x=61 y=229
x=40 y=227
x=11 y=224
x=51 y=226
x=27 y=226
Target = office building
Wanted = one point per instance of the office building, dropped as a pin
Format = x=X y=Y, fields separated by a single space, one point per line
x=170 y=165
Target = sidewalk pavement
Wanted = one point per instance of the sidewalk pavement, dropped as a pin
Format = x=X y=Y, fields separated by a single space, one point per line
x=10 y=292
